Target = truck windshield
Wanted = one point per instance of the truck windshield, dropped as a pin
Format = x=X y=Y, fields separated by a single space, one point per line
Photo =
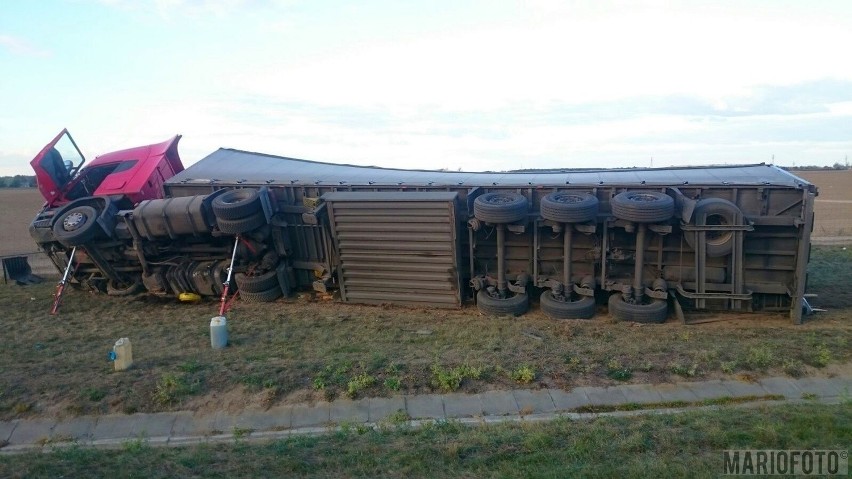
x=68 y=153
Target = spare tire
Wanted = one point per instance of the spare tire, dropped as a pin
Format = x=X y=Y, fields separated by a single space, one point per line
x=654 y=312
x=256 y=284
x=500 y=207
x=569 y=207
x=643 y=206
x=512 y=306
x=235 y=227
x=714 y=211
x=262 y=297
x=236 y=204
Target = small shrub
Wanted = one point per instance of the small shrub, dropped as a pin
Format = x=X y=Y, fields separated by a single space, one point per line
x=451 y=379
x=822 y=356
x=398 y=418
x=359 y=383
x=759 y=358
x=684 y=370
x=728 y=367
x=617 y=372
x=171 y=388
x=524 y=374
x=647 y=366
x=331 y=376
x=393 y=383
x=94 y=394
x=793 y=367
x=573 y=363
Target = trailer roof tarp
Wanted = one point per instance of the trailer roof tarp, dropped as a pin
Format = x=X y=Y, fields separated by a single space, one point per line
x=235 y=166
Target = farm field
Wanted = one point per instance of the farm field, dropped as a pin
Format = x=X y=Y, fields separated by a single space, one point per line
x=19 y=206
x=833 y=207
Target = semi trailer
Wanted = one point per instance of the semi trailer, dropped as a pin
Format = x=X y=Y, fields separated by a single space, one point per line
x=641 y=242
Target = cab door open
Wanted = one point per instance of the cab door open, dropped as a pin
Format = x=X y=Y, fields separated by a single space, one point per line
x=55 y=166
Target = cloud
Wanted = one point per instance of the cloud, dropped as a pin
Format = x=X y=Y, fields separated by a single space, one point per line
x=21 y=46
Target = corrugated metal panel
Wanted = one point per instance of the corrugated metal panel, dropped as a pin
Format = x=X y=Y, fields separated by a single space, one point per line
x=396 y=248
x=227 y=166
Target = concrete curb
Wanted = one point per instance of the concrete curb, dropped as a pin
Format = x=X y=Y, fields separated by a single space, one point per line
x=493 y=407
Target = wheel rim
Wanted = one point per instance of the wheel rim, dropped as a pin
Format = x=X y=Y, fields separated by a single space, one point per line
x=74 y=221
x=566 y=198
x=499 y=199
x=643 y=198
x=716 y=237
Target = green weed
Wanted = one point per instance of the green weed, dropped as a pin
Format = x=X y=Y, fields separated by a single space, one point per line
x=822 y=356
x=618 y=372
x=359 y=383
x=684 y=370
x=451 y=379
x=524 y=374
x=793 y=367
x=759 y=358
x=171 y=388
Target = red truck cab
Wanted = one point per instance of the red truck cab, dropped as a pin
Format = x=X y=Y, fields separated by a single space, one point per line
x=81 y=201
x=128 y=176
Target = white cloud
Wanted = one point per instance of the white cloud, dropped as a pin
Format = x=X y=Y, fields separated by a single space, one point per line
x=21 y=46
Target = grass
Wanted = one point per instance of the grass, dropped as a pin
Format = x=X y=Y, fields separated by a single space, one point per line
x=302 y=349
x=673 y=445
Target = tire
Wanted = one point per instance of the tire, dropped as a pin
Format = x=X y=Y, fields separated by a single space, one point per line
x=643 y=206
x=114 y=290
x=714 y=211
x=568 y=207
x=235 y=227
x=77 y=226
x=500 y=207
x=654 y=312
x=262 y=297
x=236 y=204
x=257 y=284
x=584 y=308
x=512 y=306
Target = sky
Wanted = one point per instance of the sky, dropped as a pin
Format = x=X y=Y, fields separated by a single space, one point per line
x=471 y=85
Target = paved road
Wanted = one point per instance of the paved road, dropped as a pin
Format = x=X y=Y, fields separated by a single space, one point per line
x=185 y=427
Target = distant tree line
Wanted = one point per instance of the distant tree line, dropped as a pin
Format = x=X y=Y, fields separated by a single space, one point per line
x=836 y=166
x=17 y=181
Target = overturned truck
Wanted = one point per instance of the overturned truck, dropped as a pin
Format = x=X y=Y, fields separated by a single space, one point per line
x=642 y=242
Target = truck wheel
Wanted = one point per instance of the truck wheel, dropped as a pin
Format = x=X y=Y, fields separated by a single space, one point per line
x=128 y=289
x=513 y=306
x=642 y=206
x=653 y=312
x=236 y=204
x=583 y=308
x=77 y=226
x=714 y=211
x=262 y=297
x=500 y=207
x=568 y=207
x=256 y=284
x=235 y=227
